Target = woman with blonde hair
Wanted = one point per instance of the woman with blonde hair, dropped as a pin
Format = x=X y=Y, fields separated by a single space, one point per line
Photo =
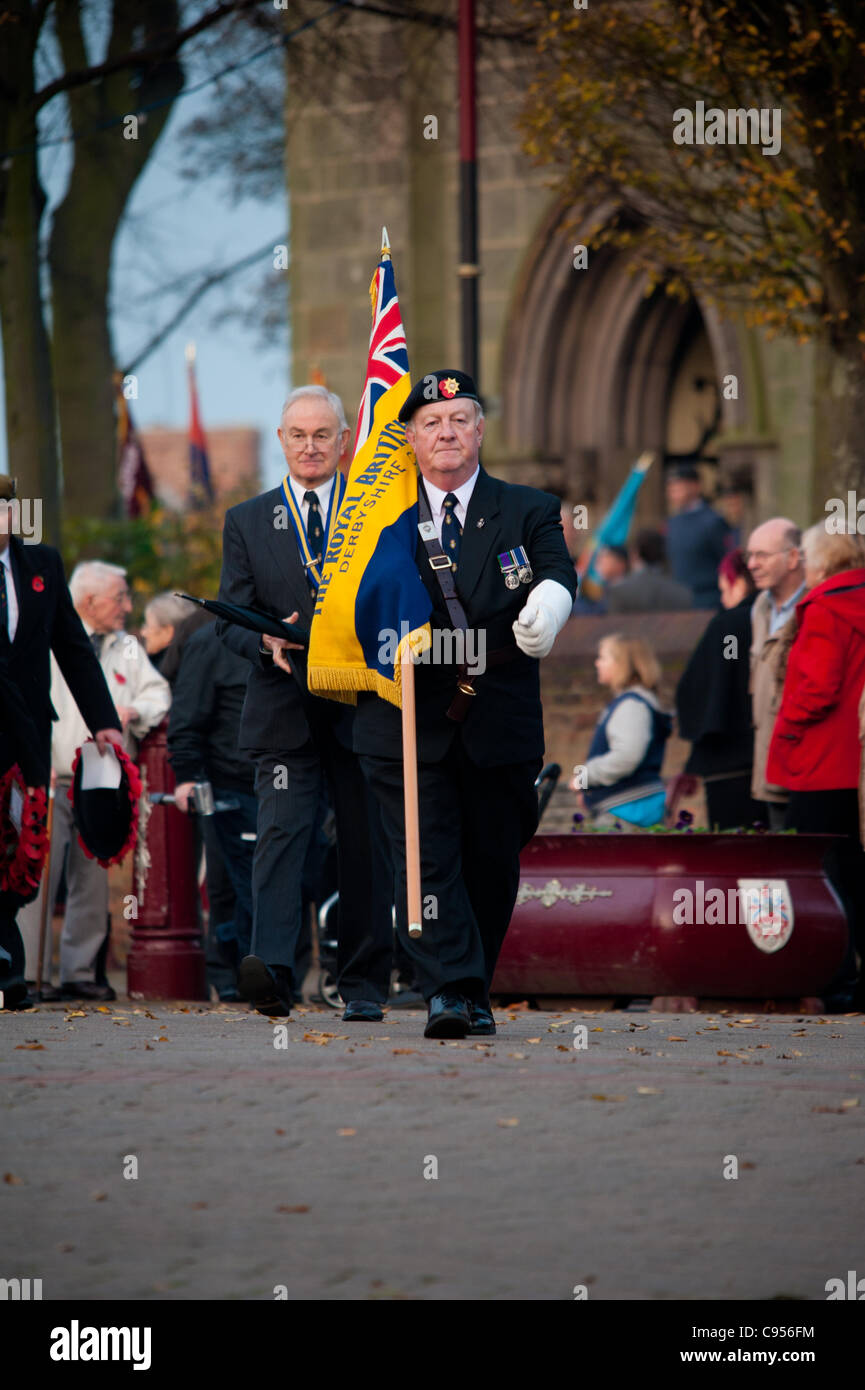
x=622 y=777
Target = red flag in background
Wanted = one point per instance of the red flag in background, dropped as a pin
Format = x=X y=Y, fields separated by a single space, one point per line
x=201 y=488
x=133 y=476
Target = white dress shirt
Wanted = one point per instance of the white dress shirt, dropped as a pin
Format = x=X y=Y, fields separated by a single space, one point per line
x=11 y=595
x=322 y=492
x=437 y=499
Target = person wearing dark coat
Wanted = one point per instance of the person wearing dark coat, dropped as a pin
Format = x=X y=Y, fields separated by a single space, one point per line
x=713 y=704
x=477 y=801
x=37 y=617
x=698 y=537
x=296 y=738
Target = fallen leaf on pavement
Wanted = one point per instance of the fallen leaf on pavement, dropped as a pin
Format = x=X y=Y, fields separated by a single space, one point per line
x=30 y=1047
x=12 y=1180
x=532 y=1040
x=102 y=1009
x=673 y=1038
x=292 y=1209
x=99 y=1196
x=509 y=1123
x=402 y=1051
x=648 y=1091
x=601 y=1097
x=346 y=1131
x=521 y=1056
x=75 y=1013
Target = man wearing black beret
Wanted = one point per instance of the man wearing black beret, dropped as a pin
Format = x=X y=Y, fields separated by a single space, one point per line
x=494 y=559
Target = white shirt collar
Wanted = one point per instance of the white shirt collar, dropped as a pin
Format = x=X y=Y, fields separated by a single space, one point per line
x=6 y=557
x=462 y=494
x=322 y=492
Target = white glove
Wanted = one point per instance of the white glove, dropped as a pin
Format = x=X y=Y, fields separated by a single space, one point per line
x=545 y=614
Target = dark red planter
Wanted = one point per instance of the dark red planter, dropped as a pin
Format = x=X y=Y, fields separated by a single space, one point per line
x=595 y=916
x=166 y=958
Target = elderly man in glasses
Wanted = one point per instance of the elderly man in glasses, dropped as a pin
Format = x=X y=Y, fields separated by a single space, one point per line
x=774 y=557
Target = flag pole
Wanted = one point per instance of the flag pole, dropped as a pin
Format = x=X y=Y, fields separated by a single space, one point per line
x=409 y=760
x=409 y=779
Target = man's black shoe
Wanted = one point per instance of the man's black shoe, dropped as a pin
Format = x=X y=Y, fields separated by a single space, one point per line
x=268 y=988
x=448 y=1016
x=48 y=994
x=87 y=989
x=16 y=997
x=362 y=1011
x=482 y=1021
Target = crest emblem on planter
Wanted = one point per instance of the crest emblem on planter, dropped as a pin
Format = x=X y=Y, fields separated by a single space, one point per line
x=767 y=911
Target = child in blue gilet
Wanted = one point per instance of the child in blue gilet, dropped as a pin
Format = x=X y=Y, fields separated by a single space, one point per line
x=621 y=780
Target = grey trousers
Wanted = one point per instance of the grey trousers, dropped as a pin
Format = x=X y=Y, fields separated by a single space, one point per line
x=86 y=917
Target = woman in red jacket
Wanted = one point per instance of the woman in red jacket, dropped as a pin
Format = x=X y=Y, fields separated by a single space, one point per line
x=814 y=744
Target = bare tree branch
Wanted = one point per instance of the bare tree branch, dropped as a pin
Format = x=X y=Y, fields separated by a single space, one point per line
x=216 y=277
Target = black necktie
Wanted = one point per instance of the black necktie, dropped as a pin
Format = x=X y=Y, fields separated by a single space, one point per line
x=4 y=610
x=451 y=530
x=96 y=643
x=314 y=528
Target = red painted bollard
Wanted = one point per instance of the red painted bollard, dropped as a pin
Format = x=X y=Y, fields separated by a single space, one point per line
x=166 y=957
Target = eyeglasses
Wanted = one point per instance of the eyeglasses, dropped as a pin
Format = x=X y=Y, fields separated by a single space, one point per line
x=761 y=555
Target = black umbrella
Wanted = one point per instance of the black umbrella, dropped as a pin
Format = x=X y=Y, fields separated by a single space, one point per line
x=253 y=618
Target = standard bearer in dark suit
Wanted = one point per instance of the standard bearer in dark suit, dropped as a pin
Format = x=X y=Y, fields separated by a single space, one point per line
x=478 y=754
x=272 y=548
x=36 y=618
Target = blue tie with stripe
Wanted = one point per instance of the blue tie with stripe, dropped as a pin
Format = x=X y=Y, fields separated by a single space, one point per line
x=452 y=532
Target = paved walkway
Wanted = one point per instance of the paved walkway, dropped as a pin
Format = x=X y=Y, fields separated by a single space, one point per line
x=303 y=1166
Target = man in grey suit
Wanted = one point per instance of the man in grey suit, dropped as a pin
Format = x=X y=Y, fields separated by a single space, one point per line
x=646 y=588
x=272 y=548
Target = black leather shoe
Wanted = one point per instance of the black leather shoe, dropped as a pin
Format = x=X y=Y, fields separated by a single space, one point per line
x=362 y=1011
x=268 y=988
x=87 y=989
x=482 y=1021
x=448 y=1016
x=48 y=994
x=16 y=997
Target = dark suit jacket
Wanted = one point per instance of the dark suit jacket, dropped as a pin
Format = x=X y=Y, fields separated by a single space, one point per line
x=261 y=566
x=48 y=622
x=648 y=590
x=505 y=720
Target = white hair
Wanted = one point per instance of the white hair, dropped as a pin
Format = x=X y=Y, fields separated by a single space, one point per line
x=91 y=577
x=317 y=393
x=167 y=610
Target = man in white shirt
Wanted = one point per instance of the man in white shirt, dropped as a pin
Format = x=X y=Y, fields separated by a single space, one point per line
x=142 y=698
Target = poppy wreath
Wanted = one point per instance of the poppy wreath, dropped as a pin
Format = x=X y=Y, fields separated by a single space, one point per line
x=133 y=780
x=22 y=855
